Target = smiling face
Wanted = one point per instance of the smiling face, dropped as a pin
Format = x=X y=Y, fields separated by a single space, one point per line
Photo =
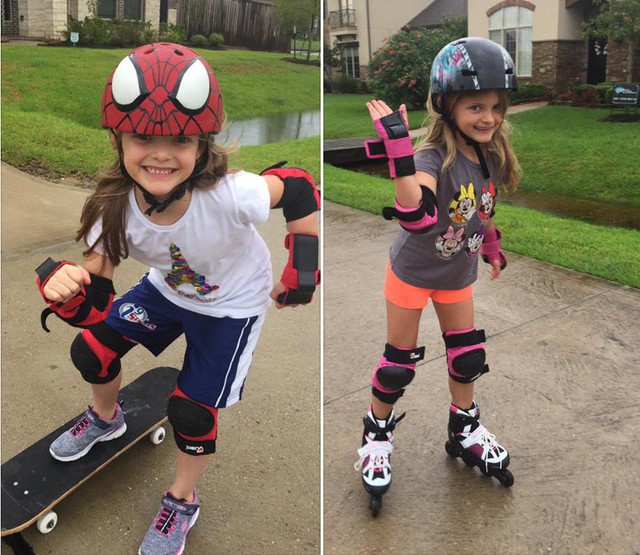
x=478 y=115
x=160 y=164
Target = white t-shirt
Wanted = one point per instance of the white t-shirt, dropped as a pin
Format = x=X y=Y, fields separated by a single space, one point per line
x=211 y=261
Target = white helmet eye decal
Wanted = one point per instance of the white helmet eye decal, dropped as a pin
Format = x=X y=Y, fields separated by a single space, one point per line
x=192 y=89
x=126 y=86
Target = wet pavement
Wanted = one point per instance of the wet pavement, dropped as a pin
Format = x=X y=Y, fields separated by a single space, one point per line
x=261 y=493
x=561 y=396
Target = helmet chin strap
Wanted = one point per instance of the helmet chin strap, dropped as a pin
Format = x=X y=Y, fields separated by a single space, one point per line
x=176 y=194
x=468 y=140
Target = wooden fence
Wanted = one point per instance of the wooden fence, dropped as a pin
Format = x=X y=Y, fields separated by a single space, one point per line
x=249 y=23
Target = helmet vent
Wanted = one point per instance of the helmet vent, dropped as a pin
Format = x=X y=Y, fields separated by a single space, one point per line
x=509 y=71
x=178 y=52
x=469 y=73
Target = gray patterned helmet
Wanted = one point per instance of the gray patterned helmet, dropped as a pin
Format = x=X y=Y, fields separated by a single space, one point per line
x=472 y=64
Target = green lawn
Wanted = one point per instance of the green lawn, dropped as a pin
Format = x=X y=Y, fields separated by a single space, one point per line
x=51 y=100
x=565 y=151
x=608 y=252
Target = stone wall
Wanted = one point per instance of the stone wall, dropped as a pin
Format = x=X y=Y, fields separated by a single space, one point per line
x=617 y=61
x=10 y=26
x=556 y=64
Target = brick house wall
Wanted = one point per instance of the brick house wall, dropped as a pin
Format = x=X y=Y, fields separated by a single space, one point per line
x=617 y=61
x=556 y=63
x=10 y=25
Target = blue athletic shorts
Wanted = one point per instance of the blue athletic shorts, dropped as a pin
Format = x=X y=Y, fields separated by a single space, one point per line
x=219 y=350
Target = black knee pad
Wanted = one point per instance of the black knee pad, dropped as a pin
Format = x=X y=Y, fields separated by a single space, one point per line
x=465 y=355
x=96 y=353
x=195 y=426
x=394 y=372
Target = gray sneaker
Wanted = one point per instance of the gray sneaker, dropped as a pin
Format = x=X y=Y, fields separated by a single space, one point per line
x=85 y=433
x=168 y=533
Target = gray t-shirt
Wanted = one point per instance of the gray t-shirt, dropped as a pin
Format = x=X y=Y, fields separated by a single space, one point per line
x=446 y=256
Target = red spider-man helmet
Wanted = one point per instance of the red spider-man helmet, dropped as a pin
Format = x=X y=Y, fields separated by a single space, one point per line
x=163 y=89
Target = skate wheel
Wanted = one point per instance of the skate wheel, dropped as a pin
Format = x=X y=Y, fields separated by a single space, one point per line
x=375 y=504
x=157 y=436
x=47 y=522
x=505 y=477
x=450 y=449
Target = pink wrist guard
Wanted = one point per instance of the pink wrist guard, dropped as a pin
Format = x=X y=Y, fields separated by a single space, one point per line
x=490 y=249
x=394 y=144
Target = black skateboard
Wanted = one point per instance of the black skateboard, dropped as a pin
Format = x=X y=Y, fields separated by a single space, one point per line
x=33 y=482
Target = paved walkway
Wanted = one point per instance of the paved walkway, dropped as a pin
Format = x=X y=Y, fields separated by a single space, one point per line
x=261 y=492
x=562 y=396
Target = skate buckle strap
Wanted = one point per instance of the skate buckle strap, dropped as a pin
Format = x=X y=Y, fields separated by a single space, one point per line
x=481 y=436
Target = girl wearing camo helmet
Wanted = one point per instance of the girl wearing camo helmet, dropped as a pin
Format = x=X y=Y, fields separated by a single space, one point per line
x=170 y=202
x=445 y=193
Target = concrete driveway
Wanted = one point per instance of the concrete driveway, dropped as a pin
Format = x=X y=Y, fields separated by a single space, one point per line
x=562 y=396
x=261 y=493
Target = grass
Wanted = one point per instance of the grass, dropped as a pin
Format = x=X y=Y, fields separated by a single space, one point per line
x=565 y=151
x=51 y=100
x=607 y=252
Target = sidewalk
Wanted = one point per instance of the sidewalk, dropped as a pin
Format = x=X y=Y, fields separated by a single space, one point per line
x=261 y=492
x=562 y=396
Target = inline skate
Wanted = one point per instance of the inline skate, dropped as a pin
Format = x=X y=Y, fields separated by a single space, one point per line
x=375 y=455
x=472 y=442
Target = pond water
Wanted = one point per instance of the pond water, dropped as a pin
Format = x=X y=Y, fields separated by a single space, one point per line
x=567 y=207
x=272 y=129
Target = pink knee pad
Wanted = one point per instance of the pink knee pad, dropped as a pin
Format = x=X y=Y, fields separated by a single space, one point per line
x=465 y=354
x=395 y=370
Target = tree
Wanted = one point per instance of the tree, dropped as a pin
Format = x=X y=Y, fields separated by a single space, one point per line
x=617 y=20
x=400 y=71
x=298 y=17
x=331 y=60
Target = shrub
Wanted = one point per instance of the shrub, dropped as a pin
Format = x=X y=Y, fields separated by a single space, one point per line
x=608 y=96
x=400 y=71
x=602 y=89
x=198 y=40
x=585 y=94
x=528 y=91
x=216 y=39
x=346 y=84
x=127 y=32
x=171 y=33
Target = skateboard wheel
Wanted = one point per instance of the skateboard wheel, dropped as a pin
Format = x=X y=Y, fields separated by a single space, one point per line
x=157 y=436
x=47 y=522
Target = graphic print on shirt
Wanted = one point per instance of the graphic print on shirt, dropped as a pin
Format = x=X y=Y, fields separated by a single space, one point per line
x=487 y=202
x=463 y=205
x=449 y=244
x=182 y=274
x=473 y=244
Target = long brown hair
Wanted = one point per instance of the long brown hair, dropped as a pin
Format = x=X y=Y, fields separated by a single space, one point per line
x=109 y=201
x=439 y=135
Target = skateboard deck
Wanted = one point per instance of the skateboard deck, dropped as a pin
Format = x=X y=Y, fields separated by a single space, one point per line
x=33 y=482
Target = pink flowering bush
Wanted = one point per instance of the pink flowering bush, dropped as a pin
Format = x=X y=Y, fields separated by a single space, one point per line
x=399 y=72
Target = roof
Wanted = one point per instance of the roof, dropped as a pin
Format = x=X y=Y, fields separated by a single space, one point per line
x=433 y=14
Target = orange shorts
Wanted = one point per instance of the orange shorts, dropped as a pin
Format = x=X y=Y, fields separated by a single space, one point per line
x=409 y=296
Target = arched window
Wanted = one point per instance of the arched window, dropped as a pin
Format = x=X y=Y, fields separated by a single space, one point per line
x=511 y=27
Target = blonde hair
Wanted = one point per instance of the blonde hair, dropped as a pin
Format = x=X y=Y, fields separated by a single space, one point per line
x=109 y=201
x=439 y=135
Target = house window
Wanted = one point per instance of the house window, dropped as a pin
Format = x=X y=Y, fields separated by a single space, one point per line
x=6 y=10
x=351 y=61
x=511 y=27
x=107 y=9
x=133 y=9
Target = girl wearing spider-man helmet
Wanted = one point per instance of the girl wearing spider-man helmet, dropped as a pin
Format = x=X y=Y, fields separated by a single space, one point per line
x=170 y=202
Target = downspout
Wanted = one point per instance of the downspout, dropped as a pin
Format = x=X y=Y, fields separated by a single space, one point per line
x=368 y=32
